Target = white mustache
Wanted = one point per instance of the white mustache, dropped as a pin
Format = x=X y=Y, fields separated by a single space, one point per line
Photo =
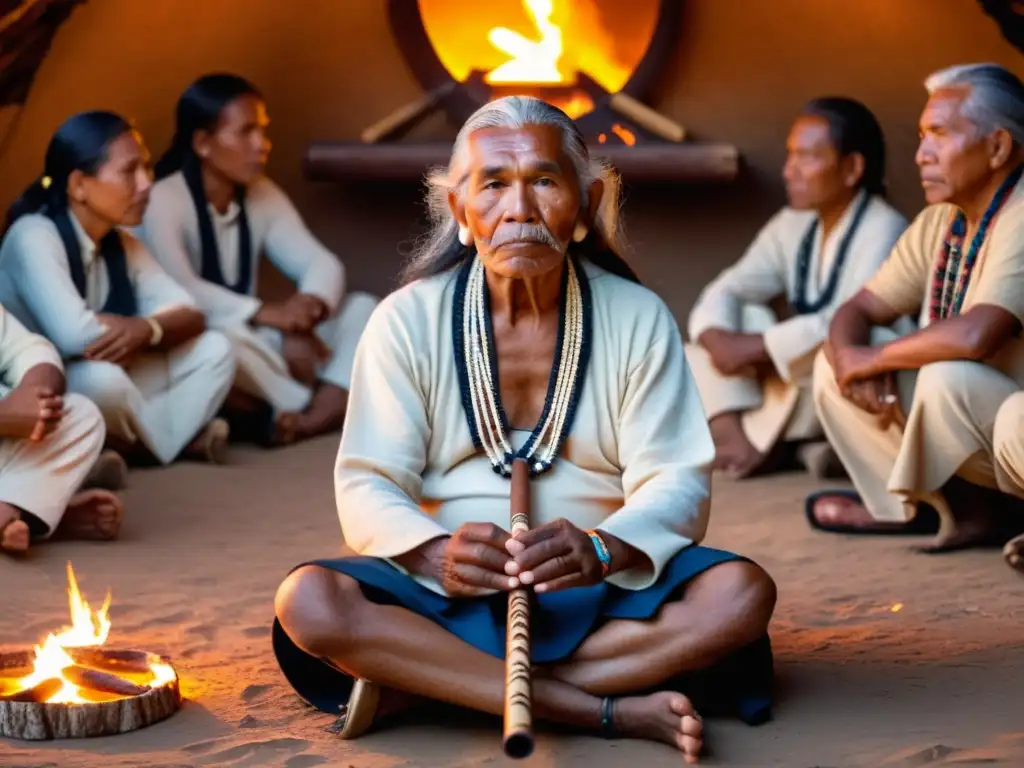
x=525 y=233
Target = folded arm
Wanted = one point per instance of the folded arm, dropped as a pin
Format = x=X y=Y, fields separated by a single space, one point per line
x=665 y=451
x=296 y=252
x=164 y=300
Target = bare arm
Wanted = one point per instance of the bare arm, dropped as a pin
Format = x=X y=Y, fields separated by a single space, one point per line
x=975 y=335
x=852 y=323
x=45 y=376
x=180 y=325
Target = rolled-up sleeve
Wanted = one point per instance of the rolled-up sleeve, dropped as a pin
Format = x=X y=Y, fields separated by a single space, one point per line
x=665 y=450
x=383 y=452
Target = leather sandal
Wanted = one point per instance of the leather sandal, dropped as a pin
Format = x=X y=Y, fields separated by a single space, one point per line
x=358 y=715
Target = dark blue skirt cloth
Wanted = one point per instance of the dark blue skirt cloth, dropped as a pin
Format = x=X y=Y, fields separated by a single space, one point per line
x=740 y=685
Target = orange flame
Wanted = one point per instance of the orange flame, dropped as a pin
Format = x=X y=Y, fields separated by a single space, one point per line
x=87 y=628
x=532 y=61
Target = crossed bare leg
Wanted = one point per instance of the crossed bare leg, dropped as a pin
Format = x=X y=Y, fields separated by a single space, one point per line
x=723 y=609
x=325 y=413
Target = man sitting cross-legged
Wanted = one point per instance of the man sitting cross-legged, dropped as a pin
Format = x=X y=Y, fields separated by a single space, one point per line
x=912 y=419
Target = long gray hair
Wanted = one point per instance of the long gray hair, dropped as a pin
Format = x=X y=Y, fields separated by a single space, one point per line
x=995 y=96
x=440 y=250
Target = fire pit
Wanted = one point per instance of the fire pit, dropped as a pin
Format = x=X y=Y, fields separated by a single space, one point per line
x=595 y=59
x=73 y=685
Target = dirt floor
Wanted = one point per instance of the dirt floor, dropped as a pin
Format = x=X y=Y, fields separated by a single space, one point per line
x=938 y=681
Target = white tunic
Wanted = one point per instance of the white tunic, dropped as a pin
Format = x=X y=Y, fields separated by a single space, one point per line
x=40 y=478
x=635 y=464
x=171 y=231
x=163 y=398
x=737 y=301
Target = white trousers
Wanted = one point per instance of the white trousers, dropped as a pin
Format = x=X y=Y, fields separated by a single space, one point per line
x=770 y=410
x=263 y=372
x=951 y=412
x=40 y=478
x=163 y=399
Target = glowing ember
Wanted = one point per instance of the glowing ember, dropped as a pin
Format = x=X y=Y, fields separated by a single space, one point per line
x=896 y=608
x=627 y=136
x=88 y=628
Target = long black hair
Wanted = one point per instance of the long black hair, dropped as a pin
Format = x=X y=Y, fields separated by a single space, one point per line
x=854 y=128
x=199 y=109
x=81 y=143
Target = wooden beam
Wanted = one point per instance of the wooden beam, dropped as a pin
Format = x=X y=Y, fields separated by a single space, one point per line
x=684 y=162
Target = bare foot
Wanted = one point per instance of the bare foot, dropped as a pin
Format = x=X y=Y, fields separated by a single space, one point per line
x=325 y=413
x=110 y=472
x=1013 y=553
x=839 y=511
x=286 y=428
x=734 y=453
x=14 y=532
x=211 y=444
x=668 y=717
x=981 y=517
x=93 y=515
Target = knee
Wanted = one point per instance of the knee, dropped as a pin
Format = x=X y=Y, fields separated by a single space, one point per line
x=107 y=385
x=1008 y=433
x=948 y=379
x=315 y=607
x=216 y=349
x=746 y=590
x=82 y=417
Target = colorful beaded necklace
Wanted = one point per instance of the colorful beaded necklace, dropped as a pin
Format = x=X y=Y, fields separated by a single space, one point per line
x=476 y=361
x=953 y=273
x=805 y=255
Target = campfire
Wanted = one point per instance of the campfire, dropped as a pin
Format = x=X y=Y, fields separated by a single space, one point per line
x=73 y=684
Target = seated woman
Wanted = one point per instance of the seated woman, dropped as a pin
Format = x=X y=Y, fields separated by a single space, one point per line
x=212 y=216
x=133 y=340
x=50 y=444
x=520 y=312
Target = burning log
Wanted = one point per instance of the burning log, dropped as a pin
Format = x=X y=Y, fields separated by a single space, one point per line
x=104 y=682
x=111 y=660
x=37 y=693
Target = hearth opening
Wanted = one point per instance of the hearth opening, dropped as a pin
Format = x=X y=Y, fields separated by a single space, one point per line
x=566 y=51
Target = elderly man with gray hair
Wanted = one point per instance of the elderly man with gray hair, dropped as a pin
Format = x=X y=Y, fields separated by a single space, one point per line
x=912 y=418
x=522 y=333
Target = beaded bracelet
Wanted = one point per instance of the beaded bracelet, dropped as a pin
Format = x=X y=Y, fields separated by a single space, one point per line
x=602 y=552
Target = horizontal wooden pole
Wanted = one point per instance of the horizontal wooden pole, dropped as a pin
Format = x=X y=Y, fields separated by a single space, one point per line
x=684 y=162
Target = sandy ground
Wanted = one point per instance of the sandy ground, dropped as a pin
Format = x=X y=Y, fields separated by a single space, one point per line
x=938 y=682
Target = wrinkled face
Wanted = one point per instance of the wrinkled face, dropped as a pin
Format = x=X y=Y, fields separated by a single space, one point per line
x=814 y=173
x=521 y=201
x=953 y=156
x=119 y=190
x=238 y=148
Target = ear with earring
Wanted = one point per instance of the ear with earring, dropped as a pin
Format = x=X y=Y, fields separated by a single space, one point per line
x=580 y=232
x=465 y=236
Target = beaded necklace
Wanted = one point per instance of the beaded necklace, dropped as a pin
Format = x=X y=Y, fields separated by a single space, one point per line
x=476 y=361
x=800 y=303
x=953 y=273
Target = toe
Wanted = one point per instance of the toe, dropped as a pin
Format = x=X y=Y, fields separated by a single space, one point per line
x=681 y=705
x=691 y=726
x=691 y=748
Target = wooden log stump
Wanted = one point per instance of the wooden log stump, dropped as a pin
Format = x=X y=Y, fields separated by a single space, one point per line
x=105 y=714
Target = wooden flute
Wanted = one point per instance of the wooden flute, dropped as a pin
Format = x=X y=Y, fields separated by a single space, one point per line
x=518 y=731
